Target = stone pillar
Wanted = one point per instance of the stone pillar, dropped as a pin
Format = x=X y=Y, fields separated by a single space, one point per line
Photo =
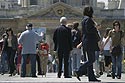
x=25 y=3
x=121 y=4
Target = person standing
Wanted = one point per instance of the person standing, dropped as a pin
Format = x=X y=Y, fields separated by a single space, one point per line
x=90 y=44
x=76 y=52
x=106 y=52
x=116 y=49
x=96 y=63
x=43 y=54
x=63 y=46
x=28 y=39
x=10 y=45
x=3 y=55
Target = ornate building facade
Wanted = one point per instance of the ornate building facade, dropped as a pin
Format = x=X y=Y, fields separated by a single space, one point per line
x=45 y=3
x=46 y=13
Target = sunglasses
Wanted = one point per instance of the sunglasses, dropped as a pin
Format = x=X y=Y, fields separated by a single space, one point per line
x=116 y=24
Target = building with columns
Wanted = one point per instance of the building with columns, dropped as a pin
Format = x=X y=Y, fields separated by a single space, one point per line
x=45 y=3
x=7 y=4
x=46 y=13
x=122 y=4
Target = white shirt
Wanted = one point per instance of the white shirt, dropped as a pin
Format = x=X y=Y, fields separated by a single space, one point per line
x=108 y=44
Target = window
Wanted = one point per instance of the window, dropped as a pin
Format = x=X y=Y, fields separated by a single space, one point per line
x=3 y=6
x=54 y=1
x=33 y=2
x=64 y=1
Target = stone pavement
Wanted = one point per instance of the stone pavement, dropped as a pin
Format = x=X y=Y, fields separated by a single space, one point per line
x=52 y=78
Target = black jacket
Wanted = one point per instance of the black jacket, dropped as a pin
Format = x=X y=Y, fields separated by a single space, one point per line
x=13 y=41
x=62 y=38
x=90 y=34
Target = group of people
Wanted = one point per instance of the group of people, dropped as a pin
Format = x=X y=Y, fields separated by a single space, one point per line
x=68 y=41
x=21 y=49
x=92 y=45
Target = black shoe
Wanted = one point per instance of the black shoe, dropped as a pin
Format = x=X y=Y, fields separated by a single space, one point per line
x=14 y=73
x=101 y=73
x=2 y=73
x=67 y=77
x=58 y=76
x=77 y=76
x=34 y=76
x=118 y=77
x=39 y=74
x=113 y=76
x=109 y=75
x=95 y=80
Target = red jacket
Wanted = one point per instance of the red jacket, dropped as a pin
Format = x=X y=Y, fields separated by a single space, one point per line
x=44 y=47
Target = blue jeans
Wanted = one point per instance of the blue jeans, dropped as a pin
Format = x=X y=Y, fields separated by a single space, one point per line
x=76 y=56
x=116 y=65
x=97 y=62
x=89 y=65
x=33 y=64
x=70 y=65
x=3 y=61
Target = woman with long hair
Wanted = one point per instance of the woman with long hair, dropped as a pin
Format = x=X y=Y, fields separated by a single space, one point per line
x=90 y=44
x=11 y=45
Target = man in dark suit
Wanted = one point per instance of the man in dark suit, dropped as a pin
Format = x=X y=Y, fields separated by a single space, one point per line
x=63 y=46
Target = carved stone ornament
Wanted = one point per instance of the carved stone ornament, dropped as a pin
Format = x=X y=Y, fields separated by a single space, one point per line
x=59 y=11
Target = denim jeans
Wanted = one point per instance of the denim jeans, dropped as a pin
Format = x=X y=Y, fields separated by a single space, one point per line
x=116 y=65
x=76 y=56
x=3 y=61
x=97 y=62
x=89 y=65
x=33 y=64
x=70 y=65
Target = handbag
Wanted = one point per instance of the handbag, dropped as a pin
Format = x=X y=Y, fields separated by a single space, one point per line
x=116 y=51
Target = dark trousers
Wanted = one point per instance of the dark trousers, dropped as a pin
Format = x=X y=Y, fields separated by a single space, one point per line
x=38 y=62
x=32 y=61
x=63 y=55
x=89 y=65
x=11 y=55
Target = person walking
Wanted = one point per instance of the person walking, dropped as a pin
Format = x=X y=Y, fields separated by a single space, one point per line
x=28 y=40
x=63 y=46
x=90 y=44
x=116 y=49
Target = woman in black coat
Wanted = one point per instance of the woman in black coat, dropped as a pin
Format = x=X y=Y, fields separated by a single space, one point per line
x=10 y=45
x=90 y=44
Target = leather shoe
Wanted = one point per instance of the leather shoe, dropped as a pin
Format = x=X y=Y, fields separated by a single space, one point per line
x=34 y=76
x=118 y=77
x=67 y=77
x=113 y=76
x=95 y=80
x=77 y=76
